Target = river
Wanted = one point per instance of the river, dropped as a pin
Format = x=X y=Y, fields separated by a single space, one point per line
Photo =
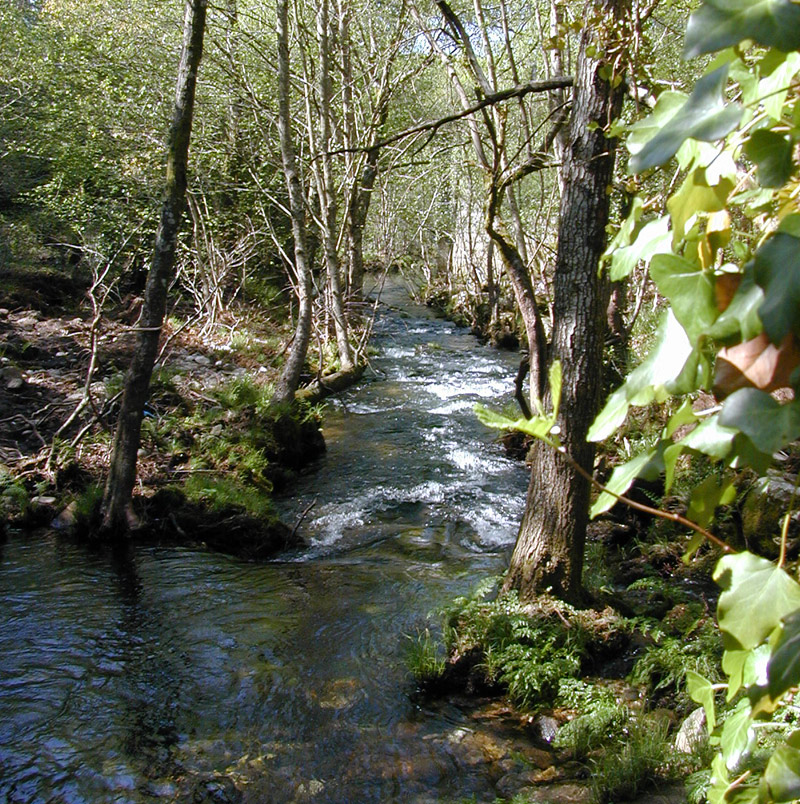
x=124 y=678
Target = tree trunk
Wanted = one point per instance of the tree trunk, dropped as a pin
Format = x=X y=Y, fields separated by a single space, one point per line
x=327 y=192
x=290 y=376
x=117 y=508
x=548 y=556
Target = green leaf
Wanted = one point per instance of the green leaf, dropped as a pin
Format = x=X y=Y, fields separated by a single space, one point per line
x=783 y=671
x=709 y=438
x=701 y=691
x=707 y=497
x=538 y=426
x=772 y=154
x=778 y=69
x=738 y=735
x=733 y=663
x=554 y=376
x=722 y=23
x=689 y=290
x=767 y=423
x=756 y=596
x=705 y=116
x=695 y=196
x=781 y=779
x=667 y=106
x=627 y=230
x=648 y=381
x=683 y=415
x=777 y=272
x=623 y=475
x=654 y=238
x=740 y=320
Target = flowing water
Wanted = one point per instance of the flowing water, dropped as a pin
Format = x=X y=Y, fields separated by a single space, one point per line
x=122 y=676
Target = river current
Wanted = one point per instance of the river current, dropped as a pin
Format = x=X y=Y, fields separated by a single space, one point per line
x=122 y=676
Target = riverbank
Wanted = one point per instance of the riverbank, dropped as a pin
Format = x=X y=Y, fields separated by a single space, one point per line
x=213 y=451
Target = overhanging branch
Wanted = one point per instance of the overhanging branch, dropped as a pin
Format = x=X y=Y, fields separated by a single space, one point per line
x=559 y=82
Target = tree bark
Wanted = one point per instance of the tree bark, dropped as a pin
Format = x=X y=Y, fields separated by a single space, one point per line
x=548 y=556
x=290 y=376
x=117 y=500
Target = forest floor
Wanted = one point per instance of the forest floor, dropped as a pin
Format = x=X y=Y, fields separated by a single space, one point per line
x=49 y=340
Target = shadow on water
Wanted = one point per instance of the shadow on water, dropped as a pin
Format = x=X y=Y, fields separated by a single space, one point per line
x=126 y=675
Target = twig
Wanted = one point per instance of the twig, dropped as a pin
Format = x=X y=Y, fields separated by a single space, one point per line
x=303 y=516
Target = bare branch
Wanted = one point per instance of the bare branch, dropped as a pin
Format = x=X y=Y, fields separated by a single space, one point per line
x=561 y=82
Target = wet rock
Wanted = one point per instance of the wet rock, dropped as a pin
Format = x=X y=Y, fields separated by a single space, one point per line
x=559 y=794
x=66 y=519
x=13 y=379
x=340 y=694
x=692 y=733
x=763 y=510
x=545 y=728
x=214 y=789
x=673 y=793
x=310 y=789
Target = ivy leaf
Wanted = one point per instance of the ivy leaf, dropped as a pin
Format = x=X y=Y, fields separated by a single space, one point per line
x=695 y=195
x=756 y=596
x=667 y=106
x=781 y=779
x=654 y=238
x=705 y=116
x=538 y=426
x=778 y=69
x=777 y=272
x=689 y=290
x=733 y=664
x=707 y=497
x=648 y=463
x=649 y=380
x=709 y=438
x=772 y=154
x=740 y=318
x=683 y=415
x=767 y=423
x=783 y=670
x=701 y=691
x=721 y=23
x=737 y=735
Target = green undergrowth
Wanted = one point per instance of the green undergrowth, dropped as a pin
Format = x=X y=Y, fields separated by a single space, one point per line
x=547 y=656
x=233 y=449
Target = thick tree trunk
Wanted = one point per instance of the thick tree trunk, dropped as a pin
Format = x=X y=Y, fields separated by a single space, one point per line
x=117 y=509
x=548 y=556
x=290 y=376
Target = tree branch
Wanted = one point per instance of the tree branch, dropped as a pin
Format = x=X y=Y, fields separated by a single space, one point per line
x=560 y=82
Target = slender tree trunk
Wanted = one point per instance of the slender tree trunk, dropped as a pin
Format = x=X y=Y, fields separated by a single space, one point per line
x=550 y=547
x=117 y=508
x=327 y=193
x=290 y=376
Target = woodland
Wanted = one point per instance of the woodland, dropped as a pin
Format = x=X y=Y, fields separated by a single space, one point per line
x=193 y=198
